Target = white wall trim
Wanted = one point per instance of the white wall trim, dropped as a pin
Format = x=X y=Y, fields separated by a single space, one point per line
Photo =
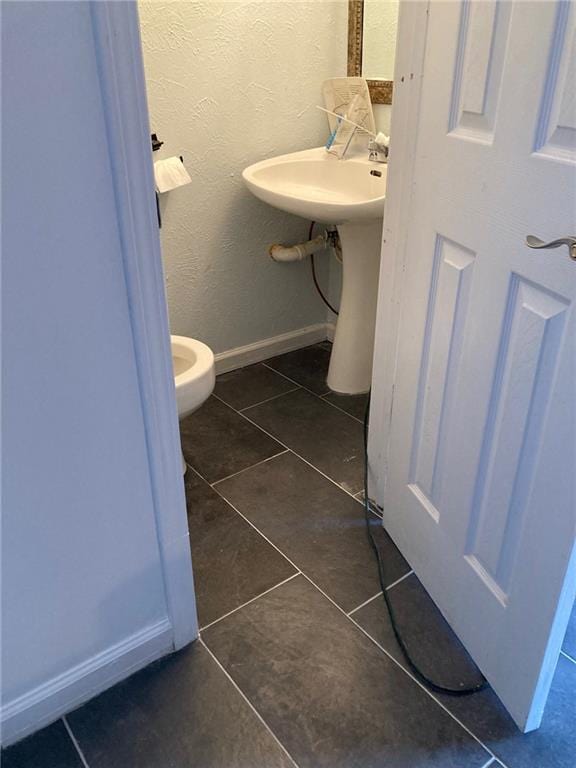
x=275 y=345
x=49 y=701
x=408 y=74
x=119 y=56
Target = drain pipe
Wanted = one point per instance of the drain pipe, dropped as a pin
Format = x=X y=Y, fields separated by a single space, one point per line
x=297 y=252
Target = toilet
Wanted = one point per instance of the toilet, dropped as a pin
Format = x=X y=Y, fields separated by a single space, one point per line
x=194 y=377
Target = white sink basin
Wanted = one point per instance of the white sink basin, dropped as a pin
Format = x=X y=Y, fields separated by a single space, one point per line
x=320 y=187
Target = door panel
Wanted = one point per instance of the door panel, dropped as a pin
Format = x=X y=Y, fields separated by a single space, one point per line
x=480 y=492
x=556 y=132
x=482 y=36
x=450 y=285
x=533 y=326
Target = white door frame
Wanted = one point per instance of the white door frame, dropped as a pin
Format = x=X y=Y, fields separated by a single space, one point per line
x=118 y=50
x=408 y=73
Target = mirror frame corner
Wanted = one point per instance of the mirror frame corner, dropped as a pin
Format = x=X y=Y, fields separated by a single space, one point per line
x=380 y=90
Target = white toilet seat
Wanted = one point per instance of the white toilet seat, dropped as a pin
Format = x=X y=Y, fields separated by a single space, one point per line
x=194 y=375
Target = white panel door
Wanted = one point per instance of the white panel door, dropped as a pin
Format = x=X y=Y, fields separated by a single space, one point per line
x=480 y=491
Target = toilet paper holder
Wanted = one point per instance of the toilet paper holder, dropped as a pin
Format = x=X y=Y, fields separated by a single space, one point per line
x=156 y=144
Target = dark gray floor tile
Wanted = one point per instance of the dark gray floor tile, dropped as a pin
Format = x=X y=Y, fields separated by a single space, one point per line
x=433 y=645
x=569 y=645
x=180 y=712
x=552 y=746
x=331 y=696
x=307 y=367
x=49 y=748
x=250 y=385
x=217 y=441
x=327 y=438
x=232 y=562
x=355 y=405
x=318 y=526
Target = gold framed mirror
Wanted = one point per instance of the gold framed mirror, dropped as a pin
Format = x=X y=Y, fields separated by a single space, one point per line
x=364 y=16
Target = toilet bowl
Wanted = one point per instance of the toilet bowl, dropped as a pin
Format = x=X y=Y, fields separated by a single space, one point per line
x=194 y=377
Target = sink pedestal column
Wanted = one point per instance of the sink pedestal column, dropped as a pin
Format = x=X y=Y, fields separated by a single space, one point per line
x=350 y=370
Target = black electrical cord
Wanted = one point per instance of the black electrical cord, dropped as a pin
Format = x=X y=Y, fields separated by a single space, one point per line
x=424 y=679
x=324 y=299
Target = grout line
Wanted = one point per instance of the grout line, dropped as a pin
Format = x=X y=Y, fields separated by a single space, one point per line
x=320 y=397
x=490 y=762
x=247 y=700
x=265 y=363
x=195 y=472
x=280 y=453
x=75 y=742
x=252 y=599
x=267 y=400
x=291 y=561
x=260 y=532
x=243 y=414
x=290 y=450
x=406 y=672
x=567 y=655
x=323 y=398
x=410 y=572
x=371 y=506
x=379 y=594
x=341 y=487
x=364 y=603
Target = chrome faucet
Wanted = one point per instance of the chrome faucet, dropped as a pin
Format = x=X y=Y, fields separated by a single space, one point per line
x=377 y=152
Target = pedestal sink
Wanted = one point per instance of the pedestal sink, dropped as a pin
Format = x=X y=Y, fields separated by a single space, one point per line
x=350 y=194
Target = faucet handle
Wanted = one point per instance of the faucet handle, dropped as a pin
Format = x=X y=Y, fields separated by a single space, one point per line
x=377 y=151
x=382 y=141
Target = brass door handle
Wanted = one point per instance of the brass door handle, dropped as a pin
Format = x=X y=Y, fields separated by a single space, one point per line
x=570 y=241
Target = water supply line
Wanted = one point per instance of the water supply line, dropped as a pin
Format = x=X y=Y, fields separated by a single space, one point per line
x=300 y=251
x=333 y=239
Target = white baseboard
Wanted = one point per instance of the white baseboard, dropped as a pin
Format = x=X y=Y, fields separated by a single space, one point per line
x=46 y=703
x=276 y=345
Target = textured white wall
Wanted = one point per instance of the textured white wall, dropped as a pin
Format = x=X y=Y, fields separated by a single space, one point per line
x=229 y=84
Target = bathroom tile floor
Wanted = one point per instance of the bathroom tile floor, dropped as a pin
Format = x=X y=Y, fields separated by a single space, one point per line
x=296 y=664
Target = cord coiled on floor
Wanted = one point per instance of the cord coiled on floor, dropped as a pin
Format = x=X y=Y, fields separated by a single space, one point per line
x=414 y=668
